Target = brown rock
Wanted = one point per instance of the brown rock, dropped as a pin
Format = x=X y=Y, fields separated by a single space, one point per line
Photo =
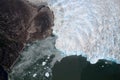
x=21 y=22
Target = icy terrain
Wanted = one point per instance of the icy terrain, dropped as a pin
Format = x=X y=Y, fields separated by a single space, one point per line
x=87 y=27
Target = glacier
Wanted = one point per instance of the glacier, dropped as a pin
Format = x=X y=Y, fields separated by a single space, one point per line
x=90 y=28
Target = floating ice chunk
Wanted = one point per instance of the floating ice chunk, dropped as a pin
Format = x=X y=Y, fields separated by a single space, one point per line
x=48 y=57
x=43 y=63
x=29 y=72
x=47 y=74
x=106 y=62
x=34 y=75
x=102 y=66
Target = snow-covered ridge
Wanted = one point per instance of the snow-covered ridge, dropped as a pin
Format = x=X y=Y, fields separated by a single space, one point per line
x=87 y=27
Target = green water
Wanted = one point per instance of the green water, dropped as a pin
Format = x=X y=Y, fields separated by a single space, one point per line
x=77 y=68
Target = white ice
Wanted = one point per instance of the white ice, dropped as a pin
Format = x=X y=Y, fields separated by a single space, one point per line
x=47 y=74
x=34 y=75
x=43 y=63
x=87 y=27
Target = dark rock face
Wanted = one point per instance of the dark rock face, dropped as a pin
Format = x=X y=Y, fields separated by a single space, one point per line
x=78 y=68
x=21 y=22
x=9 y=51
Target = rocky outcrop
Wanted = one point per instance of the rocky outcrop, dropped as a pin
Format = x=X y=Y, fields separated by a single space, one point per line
x=21 y=22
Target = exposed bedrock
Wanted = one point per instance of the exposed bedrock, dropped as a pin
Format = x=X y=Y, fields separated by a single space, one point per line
x=21 y=22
